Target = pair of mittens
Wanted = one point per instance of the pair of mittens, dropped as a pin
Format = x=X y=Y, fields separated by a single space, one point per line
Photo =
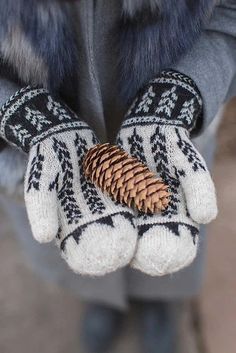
x=156 y=130
x=95 y=236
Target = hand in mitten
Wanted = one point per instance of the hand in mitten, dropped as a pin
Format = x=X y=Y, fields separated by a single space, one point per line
x=95 y=236
x=156 y=130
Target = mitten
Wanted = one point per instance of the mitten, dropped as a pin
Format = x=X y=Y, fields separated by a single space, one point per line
x=157 y=130
x=95 y=235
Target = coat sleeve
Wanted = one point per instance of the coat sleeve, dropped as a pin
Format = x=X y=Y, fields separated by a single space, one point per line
x=7 y=89
x=212 y=61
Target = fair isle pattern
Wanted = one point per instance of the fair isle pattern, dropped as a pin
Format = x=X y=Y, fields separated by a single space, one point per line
x=108 y=221
x=66 y=194
x=95 y=236
x=36 y=118
x=25 y=126
x=57 y=110
x=172 y=97
x=19 y=133
x=163 y=168
x=63 y=127
x=157 y=130
x=177 y=79
x=162 y=100
x=149 y=120
x=35 y=170
x=14 y=103
x=136 y=146
x=167 y=102
x=173 y=227
x=89 y=191
x=190 y=153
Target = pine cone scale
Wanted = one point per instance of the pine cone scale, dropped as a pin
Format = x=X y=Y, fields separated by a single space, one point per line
x=125 y=179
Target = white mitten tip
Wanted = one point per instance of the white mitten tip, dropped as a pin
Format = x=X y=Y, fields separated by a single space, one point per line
x=101 y=250
x=44 y=232
x=201 y=199
x=161 y=252
x=43 y=218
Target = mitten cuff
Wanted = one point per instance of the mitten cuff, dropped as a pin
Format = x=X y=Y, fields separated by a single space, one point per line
x=31 y=115
x=170 y=99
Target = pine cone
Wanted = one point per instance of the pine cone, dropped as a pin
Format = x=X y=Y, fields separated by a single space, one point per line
x=125 y=179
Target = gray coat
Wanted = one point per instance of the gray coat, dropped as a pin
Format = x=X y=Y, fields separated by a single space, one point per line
x=211 y=64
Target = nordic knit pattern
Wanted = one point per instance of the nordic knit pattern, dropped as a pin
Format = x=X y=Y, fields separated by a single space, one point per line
x=95 y=235
x=156 y=130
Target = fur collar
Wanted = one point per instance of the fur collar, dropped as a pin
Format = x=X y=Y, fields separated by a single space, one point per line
x=141 y=11
x=171 y=26
x=146 y=9
x=38 y=44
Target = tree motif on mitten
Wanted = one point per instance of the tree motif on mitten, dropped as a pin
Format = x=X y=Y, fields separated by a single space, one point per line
x=157 y=129
x=94 y=235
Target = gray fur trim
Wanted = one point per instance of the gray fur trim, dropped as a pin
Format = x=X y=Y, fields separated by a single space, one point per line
x=37 y=41
x=18 y=51
x=152 y=41
x=132 y=7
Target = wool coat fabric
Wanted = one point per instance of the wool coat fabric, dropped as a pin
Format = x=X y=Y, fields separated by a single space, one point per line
x=105 y=66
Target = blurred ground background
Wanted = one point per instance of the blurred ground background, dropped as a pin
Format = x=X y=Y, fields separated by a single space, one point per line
x=37 y=317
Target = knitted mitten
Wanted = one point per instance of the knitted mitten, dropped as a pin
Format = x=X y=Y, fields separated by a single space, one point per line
x=156 y=130
x=95 y=235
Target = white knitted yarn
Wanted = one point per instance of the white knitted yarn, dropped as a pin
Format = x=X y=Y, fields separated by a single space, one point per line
x=95 y=235
x=168 y=242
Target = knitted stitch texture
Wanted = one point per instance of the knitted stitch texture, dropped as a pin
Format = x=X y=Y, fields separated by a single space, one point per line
x=156 y=130
x=95 y=235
